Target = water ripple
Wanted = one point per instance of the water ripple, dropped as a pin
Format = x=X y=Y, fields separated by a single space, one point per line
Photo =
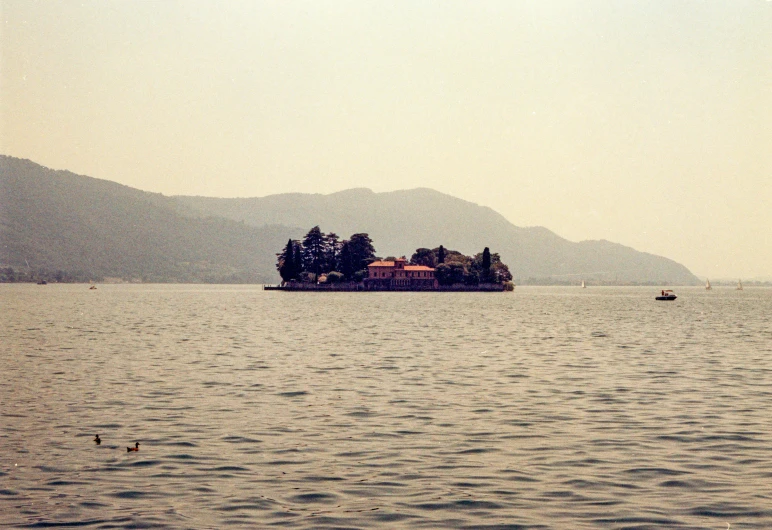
x=543 y=408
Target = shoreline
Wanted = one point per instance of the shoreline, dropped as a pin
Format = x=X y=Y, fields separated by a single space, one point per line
x=351 y=287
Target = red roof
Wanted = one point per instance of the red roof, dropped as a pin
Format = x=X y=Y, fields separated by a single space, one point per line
x=407 y=267
x=381 y=264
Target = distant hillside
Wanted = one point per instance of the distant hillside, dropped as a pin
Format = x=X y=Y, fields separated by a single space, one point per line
x=401 y=221
x=58 y=222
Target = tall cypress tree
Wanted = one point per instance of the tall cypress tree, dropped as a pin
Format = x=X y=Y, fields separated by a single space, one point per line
x=298 y=262
x=485 y=274
x=441 y=255
x=286 y=264
x=346 y=266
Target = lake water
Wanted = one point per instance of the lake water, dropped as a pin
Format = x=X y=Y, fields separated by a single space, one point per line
x=543 y=408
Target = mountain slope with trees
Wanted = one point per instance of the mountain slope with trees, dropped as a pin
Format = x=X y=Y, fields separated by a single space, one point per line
x=424 y=218
x=56 y=225
x=78 y=227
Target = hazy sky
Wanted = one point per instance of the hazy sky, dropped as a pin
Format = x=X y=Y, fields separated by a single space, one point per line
x=645 y=123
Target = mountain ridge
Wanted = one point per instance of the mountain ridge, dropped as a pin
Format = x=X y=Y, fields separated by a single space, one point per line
x=54 y=222
x=58 y=220
x=402 y=220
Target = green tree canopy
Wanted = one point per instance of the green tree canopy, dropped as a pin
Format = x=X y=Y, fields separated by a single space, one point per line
x=321 y=254
x=287 y=263
x=332 y=246
x=485 y=267
x=362 y=251
x=450 y=273
x=314 y=251
x=425 y=257
x=500 y=271
x=334 y=277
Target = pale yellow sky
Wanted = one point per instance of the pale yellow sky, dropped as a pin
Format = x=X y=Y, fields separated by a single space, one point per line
x=645 y=123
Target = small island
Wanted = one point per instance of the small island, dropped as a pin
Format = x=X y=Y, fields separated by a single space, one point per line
x=322 y=262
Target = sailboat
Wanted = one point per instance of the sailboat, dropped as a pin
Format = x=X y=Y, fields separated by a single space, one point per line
x=583 y=285
x=707 y=285
x=739 y=285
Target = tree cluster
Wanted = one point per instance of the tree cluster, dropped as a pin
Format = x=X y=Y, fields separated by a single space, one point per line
x=320 y=254
x=325 y=254
x=454 y=267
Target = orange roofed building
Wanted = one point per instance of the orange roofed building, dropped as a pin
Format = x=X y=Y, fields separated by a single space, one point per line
x=398 y=276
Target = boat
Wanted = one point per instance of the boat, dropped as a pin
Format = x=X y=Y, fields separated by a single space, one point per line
x=739 y=285
x=583 y=285
x=667 y=294
x=707 y=285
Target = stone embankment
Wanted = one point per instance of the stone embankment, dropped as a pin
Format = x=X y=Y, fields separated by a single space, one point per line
x=360 y=287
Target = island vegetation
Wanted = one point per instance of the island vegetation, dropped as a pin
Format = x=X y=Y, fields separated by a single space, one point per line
x=321 y=258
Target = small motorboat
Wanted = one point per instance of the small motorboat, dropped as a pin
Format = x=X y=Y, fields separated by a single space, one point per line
x=667 y=294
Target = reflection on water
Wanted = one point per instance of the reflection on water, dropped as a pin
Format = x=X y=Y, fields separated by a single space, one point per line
x=542 y=408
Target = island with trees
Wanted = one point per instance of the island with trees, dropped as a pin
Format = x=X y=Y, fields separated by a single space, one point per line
x=324 y=262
